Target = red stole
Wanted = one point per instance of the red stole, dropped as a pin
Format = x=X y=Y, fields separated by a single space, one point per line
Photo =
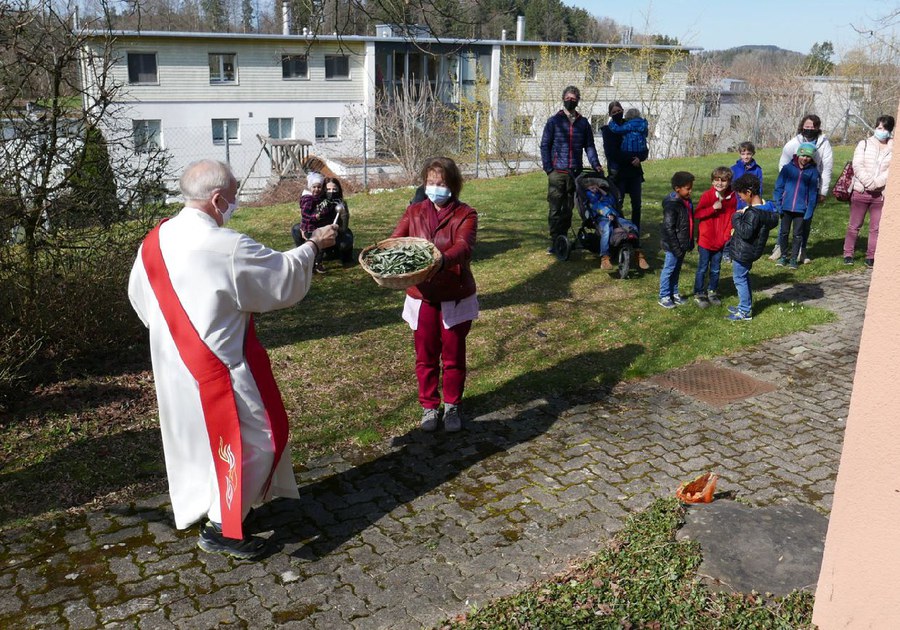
x=216 y=393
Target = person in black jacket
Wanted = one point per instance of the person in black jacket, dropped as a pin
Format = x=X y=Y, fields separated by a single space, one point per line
x=677 y=236
x=566 y=134
x=751 y=230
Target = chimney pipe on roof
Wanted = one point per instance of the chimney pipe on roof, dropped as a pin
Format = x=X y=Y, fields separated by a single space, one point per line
x=520 y=28
x=285 y=18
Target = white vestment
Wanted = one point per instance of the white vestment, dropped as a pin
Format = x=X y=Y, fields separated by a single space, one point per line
x=221 y=277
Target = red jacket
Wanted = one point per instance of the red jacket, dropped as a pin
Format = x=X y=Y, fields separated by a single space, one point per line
x=452 y=229
x=714 y=226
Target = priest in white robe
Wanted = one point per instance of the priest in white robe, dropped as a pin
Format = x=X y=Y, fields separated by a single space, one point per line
x=195 y=285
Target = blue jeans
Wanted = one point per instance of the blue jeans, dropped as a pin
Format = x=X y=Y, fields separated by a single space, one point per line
x=741 y=275
x=713 y=262
x=668 y=277
x=605 y=229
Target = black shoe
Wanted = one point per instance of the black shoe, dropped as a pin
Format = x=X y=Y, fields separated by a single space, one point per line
x=212 y=541
x=870 y=263
x=848 y=260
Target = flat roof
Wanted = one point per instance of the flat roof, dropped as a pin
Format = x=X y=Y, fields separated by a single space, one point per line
x=364 y=39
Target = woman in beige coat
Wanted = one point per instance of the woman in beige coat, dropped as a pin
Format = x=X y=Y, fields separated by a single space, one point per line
x=871 y=160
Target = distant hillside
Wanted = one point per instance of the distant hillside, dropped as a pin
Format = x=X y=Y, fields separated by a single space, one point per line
x=744 y=56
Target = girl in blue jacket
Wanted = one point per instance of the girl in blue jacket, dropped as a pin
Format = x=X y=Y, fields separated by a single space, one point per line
x=796 y=195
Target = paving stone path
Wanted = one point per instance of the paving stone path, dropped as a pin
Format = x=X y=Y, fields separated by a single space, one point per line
x=435 y=524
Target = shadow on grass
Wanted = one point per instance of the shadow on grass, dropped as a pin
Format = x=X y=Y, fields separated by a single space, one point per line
x=336 y=508
x=81 y=472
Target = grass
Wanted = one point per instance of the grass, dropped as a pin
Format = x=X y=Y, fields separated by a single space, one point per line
x=643 y=578
x=344 y=358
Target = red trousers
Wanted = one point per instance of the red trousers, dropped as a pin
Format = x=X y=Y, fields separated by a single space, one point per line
x=436 y=345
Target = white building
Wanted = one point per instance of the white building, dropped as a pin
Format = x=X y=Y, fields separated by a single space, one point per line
x=202 y=95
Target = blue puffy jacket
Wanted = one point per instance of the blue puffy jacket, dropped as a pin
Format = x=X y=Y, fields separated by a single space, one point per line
x=563 y=142
x=634 y=136
x=752 y=168
x=797 y=190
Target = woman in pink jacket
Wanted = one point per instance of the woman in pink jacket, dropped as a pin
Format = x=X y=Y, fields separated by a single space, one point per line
x=871 y=160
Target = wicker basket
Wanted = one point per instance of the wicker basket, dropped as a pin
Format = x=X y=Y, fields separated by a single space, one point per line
x=403 y=280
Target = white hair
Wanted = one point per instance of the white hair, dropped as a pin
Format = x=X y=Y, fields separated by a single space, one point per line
x=633 y=112
x=315 y=178
x=201 y=178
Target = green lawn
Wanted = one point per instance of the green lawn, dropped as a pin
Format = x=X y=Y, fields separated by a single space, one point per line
x=344 y=358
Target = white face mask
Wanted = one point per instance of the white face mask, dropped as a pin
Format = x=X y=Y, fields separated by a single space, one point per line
x=229 y=211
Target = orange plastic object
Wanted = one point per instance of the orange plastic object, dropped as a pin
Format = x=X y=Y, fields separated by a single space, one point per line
x=700 y=490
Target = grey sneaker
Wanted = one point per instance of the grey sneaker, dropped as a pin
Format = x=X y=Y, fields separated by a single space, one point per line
x=713 y=298
x=678 y=299
x=452 y=421
x=429 y=420
x=701 y=300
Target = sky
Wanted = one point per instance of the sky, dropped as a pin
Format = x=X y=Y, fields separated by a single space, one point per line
x=717 y=25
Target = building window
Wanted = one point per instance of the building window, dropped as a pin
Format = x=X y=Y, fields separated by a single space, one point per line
x=142 y=68
x=599 y=72
x=147 y=135
x=526 y=69
x=523 y=126
x=337 y=67
x=735 y=122
x=327 y=128
x=857 y=93
x=711 y=107
x=294 y=67
x=222 y=68
x=281 y=128
x=656 y=69
x=223 y=128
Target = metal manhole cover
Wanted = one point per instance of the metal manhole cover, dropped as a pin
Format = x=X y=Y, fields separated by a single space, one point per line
x=713 y=383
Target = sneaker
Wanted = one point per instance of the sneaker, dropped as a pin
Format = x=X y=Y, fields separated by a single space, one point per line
x=793 y=264
x=212 y=541
x=666 y=302
x=848 y=260
x=870 y=263
x=452 y=421
x=429 y=420
x=551 y=251
x=781 y=262
x=642 y=261
x=806 y=260
x=605 y=263
x=713 y=298
x=702 y=301
x=733 y=309
x=320 y=268
x=678 y=299
x=776 y=253
x=739 y=317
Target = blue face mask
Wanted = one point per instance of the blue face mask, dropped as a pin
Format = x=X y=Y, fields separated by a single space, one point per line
x=439 y=195
x=882 y=134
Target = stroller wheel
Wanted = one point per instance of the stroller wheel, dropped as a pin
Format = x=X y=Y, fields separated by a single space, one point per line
x=562 y=247
x=625 y=254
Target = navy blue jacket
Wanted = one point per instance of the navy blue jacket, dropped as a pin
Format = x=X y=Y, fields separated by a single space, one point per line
x=563 y=142
x=752 y=168
x=796 y=189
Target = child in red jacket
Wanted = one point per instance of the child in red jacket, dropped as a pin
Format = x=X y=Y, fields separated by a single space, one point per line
x=713 y=217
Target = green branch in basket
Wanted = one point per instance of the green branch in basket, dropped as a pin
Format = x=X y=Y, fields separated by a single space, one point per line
x=400 y=259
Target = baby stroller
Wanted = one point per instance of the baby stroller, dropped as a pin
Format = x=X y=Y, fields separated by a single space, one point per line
x=599 y=206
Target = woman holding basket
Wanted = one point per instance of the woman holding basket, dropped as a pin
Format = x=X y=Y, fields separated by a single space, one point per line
x=440 y=310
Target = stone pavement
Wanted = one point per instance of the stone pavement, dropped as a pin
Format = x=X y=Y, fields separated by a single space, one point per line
x=435 y=524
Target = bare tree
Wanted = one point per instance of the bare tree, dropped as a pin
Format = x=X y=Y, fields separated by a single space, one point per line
x=68 y=172
x=410 y=123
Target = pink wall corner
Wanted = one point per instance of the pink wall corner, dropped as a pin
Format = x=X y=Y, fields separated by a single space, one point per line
x=859 y=583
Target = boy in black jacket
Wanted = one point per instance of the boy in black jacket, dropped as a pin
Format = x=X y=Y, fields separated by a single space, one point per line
x=677 y=236
x=751 y=230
